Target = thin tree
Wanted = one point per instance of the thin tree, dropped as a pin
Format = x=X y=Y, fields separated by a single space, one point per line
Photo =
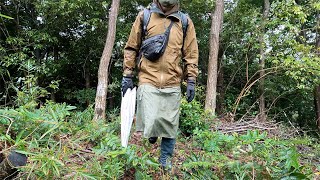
x=317 y=88
x=101 y=95
x=262 y=103
x=216 y=25
x=317 y=104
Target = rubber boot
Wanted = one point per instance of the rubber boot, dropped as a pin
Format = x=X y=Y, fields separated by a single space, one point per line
x=167 y=147
x=152 y=140
x=10 y=163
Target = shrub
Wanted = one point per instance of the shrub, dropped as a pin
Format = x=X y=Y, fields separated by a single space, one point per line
x=192 y=116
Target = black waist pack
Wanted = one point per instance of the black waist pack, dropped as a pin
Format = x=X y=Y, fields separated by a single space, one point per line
x=154 y=47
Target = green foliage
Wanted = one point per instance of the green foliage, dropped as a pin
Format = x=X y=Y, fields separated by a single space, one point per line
x=245 y=156
x=199 y=167
x=215 y=142
x=4 y=16
x=62 y=143
x=192 y=117
x=84 y=95
x=44 y=120
x=57 y=142
x=29 y=94
x=290 y=54
x=300 y=61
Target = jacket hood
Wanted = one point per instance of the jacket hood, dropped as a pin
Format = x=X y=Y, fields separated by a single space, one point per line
x=171 y=11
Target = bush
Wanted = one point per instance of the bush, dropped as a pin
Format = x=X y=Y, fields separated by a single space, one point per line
x=193 y=116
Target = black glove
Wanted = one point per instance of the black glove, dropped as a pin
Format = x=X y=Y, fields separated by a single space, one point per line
x=190 y=90
x=126 y=84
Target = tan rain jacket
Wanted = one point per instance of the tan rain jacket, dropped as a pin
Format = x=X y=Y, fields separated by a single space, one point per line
x=167 y=71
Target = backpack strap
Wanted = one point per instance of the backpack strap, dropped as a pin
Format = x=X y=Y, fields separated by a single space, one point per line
x=184 y=20
x=185 y=23
x=145 y=22
x=146 y=19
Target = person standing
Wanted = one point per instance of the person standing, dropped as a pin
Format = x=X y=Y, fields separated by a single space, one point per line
x=160 y=76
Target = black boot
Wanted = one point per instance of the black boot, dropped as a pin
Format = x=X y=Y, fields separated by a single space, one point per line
x=152 y=140
x=10 y=163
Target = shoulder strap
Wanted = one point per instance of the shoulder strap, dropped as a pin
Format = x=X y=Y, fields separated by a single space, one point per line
x=145 y=21
x=184 y=20
x=167 y=34
x=185 y=23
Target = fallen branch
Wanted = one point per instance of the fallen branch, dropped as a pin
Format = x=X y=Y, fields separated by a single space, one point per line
x=249 y=123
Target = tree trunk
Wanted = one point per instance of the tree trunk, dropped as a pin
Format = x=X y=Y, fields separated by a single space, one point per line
x=216 y=24
x=87 y=81
x=262 y=103
x=110 y=95
x=53 y=97
x=100 y=101
x=220 y=88
x=317 y=104
x=317 y=89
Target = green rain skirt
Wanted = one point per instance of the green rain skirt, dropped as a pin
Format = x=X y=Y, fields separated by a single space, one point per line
x=158 y=111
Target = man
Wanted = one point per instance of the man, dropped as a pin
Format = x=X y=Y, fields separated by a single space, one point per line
x=159 y=92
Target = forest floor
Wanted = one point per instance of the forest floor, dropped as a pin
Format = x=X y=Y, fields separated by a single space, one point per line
x=226 y=126
x=154 y=150
x=242 y=145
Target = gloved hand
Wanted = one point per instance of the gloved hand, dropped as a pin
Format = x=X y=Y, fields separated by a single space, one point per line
x=126 y=84
x=190 y=90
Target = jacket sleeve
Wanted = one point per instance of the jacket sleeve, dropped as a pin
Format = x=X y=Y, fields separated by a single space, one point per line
x=191 y=52
x=132 y=47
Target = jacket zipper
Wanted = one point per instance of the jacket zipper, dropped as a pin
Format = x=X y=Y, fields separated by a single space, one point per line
x=161 y=75
x=161 y=85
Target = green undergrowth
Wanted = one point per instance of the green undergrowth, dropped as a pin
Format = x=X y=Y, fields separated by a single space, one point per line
x=63 y=143
x=253 y=155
